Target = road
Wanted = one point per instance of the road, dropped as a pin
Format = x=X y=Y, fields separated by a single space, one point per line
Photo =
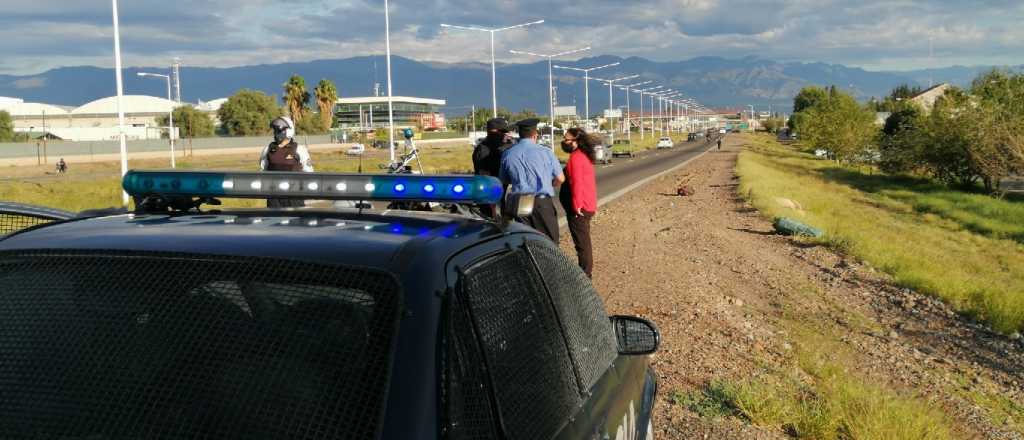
x=623 y=172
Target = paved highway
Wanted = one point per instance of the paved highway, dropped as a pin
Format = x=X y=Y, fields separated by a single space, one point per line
x=623 y=172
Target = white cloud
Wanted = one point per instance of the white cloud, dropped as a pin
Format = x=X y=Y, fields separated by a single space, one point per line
x=880 y=34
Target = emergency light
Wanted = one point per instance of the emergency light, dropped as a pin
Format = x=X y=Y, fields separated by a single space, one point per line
x=321 y=186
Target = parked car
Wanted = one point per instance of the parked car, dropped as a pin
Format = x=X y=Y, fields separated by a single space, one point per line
x=175 y=320
x=356 y=150
x=665 y=142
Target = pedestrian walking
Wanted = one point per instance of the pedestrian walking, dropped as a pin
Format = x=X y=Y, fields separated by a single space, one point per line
x=529 y=168
x=62 y=167
x=719 y=143
x=578 y=194
x=284 y=154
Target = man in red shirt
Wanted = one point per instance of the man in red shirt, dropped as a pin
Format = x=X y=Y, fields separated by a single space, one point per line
x=578 y=194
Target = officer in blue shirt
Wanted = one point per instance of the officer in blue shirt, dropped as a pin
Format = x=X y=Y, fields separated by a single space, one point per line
x=529 y=168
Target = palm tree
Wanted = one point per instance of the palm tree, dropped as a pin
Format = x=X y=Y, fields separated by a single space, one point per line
x=326 y=96
x=295 y=97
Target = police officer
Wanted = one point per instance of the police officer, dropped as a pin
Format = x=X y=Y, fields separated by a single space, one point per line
x=284 y=154
x=487 y=153
x=529 y=168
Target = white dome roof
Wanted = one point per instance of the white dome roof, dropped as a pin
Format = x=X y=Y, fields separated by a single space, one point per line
x=131 y=104
x=32 y=109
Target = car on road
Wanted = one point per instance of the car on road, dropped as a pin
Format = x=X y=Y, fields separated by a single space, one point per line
x=602 y=154
x=665 y=142
x=356 y=150
x=184 y=319
x=622 y=147
x=721 y=131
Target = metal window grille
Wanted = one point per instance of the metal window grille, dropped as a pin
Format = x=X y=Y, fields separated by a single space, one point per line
x=533 y=378
x=153 y=345
x=469 y=411
x=581 y=313
x=17 y=216
x=14 y=222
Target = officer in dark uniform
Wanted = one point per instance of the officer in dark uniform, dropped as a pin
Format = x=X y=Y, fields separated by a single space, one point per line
x=487 y=153
x=284 y=154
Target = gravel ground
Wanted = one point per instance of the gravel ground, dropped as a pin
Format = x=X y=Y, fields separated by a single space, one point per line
x=710 y=272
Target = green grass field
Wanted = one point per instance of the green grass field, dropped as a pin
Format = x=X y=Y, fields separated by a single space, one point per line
x=965 y=248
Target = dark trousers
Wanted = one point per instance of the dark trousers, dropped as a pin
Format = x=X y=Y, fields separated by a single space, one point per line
x=579 y=228
x=544 y=218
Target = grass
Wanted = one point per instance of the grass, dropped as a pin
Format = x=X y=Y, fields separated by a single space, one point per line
x=965 y=248
x=818 y=398
x=90 y=186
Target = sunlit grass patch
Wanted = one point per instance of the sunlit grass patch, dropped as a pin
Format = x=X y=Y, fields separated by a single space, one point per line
x=962 y=247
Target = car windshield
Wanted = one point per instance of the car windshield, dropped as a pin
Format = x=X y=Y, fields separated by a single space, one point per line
x=142 y=345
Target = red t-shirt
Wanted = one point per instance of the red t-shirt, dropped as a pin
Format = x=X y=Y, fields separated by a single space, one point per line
x=579 y=172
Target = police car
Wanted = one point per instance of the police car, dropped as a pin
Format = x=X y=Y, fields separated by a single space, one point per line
x=182 y=320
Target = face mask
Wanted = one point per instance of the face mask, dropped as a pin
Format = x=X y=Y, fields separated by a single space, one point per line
x=280 y=136
x=567 y=147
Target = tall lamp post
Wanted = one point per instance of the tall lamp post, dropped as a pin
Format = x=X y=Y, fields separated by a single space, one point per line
x=586 y=83
x=611 y=102
x=120 y=93
x=492 y=31
x=551 y=81
x=629 y=129
x=170 y=114
x=647 y=90
x=391 y=104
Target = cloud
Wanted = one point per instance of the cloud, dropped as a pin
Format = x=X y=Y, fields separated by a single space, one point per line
x=881 y=34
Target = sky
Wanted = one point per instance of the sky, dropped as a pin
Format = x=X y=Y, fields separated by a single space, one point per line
x=39 y=35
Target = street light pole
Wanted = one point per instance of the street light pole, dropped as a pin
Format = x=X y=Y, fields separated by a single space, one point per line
x=647 y=90
x=586 y=83
x=492 y=31
x=120 y=94
x=611 y=102
x=551 y=82
x=390 y=96
x=628 y=127
x=170 y=114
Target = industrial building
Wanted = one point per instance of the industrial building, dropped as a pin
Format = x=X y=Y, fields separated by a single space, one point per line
x=94 y=121
x=371 y=112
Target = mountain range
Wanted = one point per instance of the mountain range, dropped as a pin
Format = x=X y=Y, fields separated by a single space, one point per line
x=714 y=81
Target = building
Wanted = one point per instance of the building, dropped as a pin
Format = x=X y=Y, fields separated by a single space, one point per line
x=927 y=98
x=371 y=112
x=94 y=121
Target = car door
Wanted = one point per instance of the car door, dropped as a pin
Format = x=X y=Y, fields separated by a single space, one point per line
x=532 y=354
x=17 y=216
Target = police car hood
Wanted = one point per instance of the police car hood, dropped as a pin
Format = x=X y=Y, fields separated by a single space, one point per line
x=372 y=240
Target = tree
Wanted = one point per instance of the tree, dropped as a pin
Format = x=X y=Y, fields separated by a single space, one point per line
x=191 y=123
x=6 y=127
x=248 y=113
x=311 y=125
x=295 y=97
x=326 y=97
x=903 y=140
x=807 y=98
x=839 y=125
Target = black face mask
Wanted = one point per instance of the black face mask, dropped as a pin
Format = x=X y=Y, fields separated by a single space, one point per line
x=567 y=147
x=280 y=136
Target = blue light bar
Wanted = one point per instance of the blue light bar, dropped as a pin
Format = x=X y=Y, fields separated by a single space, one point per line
x=319 y=186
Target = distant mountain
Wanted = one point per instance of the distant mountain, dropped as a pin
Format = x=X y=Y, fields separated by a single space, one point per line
x=712 y=80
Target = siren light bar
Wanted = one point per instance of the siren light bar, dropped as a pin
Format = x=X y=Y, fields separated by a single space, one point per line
x=321 y=186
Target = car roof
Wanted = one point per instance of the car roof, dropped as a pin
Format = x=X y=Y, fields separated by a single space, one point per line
x=336 y=236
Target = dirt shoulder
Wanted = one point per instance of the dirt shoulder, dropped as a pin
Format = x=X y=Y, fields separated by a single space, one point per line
x=729 y=297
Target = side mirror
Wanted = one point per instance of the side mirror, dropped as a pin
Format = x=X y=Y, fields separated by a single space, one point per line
x=518 y=205
x=636 y=336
